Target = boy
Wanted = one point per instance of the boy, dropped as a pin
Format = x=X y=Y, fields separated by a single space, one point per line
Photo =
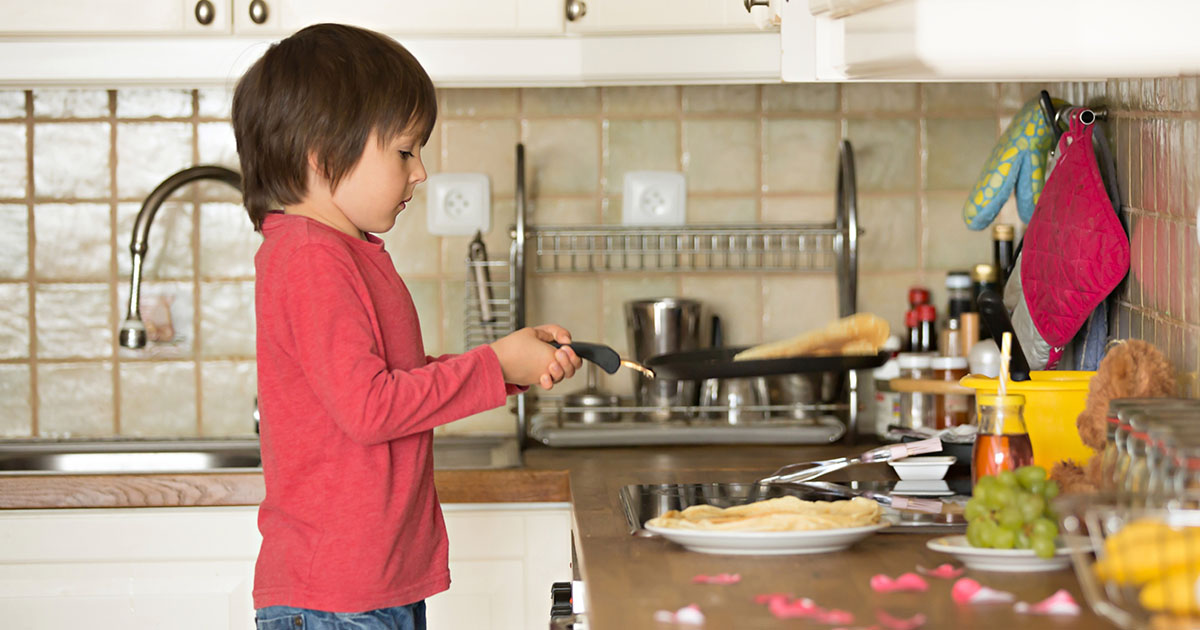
x=329 y=127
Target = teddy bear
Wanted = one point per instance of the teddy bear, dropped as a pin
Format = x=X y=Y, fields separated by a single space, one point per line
x=1132 y=369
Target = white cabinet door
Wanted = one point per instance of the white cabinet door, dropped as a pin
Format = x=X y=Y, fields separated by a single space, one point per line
x=639 y=16
x=404 y=17
x=139 y=17
x=193 y=568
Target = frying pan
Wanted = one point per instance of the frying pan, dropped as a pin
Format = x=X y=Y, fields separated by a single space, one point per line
x=718 y=363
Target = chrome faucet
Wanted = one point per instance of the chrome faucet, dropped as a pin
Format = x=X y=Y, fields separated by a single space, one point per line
x=133 y=331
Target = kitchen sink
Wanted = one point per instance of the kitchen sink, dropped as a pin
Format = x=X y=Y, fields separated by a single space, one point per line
x=183 y=456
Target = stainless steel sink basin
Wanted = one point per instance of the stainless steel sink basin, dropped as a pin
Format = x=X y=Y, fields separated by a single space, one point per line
x=175 y=456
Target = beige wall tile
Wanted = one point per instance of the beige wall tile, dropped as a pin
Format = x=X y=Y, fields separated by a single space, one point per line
x=71 y=160
x=1014 y=96
x=560 y=101
x=571 y=302
x=497 y=240
x=639 y=145
x=14 y=241
x=562 y=212
x=216 y=145
x=74 y=321
x=13 y=166
x=158 y=399
x=412 y=247
x=562 y=156
x=741 y=210
x=483 y=146
x=641 y=101
x=457 y=103
x=169 y=245
x=948 y=242
x=12 y=103
x=73 y=241
x=819 y=209
x=957 y=97
x=800 y=97
x=795 y=303
x=886 y=294
x=880 y=97
x=499 y=420
x=800 y=155
x=720 y=98
x=721 y=155
x=427 y=298
x=228 y=241
x=75 y=400
x=226 y=319
x=154 y=103
x=14 y=321
x=227 y=393
x=889 y=242
x=956 y=151
x=16 y=400
x=70 y=103
x=885 y=154
x=453 y=314
x=736 y=299
x=150 y=152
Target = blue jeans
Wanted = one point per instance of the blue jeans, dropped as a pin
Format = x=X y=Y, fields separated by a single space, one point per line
x=410 y=617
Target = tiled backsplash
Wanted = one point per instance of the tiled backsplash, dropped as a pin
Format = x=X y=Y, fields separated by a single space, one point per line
x=76 y=164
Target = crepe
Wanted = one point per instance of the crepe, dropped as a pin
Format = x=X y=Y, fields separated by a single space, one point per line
x=859 y=334
x=784 y=514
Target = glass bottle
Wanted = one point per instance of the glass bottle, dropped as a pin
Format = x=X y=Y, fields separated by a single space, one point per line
x=1002 y=250
x=1002 y=442
x=950 y=410
x=916 y=408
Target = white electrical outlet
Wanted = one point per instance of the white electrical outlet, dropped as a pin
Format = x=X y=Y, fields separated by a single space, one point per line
x=458 y=203
x=654 y=198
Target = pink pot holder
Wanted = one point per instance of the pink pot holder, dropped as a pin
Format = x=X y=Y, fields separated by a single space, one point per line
x=1076 y=251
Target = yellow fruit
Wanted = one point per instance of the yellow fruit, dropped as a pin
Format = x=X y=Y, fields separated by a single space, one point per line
x=1174 y=593
x=1147 y=550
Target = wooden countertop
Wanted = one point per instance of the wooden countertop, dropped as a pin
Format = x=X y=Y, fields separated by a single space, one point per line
x=629 y=578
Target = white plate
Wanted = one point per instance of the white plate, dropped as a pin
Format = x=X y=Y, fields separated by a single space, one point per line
x=767 y=543
x=1007 y=560
x=934 y=488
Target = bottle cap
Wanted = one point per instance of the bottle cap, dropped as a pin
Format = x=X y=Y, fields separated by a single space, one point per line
x=1002 y=232
x=948 y=363
x=927 y=313
x=910 y=319
x=996 y=400
x=985 y=272
x=918 y=295
x=958 y=280
x=913 y=361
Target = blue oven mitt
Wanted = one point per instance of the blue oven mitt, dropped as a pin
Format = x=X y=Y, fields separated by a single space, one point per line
x=1018 y=161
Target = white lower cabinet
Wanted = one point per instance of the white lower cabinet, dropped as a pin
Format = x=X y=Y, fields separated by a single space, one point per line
x=193 y=568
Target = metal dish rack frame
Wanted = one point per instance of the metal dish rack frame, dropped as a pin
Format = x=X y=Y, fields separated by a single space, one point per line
x=767 y=248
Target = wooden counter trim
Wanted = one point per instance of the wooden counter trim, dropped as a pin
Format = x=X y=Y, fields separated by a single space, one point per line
x=206 y=489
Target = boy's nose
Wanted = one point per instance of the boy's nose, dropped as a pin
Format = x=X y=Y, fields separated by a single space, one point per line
x=419 y=174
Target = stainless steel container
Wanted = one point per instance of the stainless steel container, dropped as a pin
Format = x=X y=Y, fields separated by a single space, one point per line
x=658 y=326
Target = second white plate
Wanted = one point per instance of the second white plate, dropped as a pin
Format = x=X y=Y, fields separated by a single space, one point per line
x=1006 y=560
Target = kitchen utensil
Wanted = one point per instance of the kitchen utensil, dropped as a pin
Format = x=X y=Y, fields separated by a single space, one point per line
x=658 y=326
x=807 y=471
x=995 y=317
x=592 y=405
x=894 y=501
x=733 y=393
x=477 y=254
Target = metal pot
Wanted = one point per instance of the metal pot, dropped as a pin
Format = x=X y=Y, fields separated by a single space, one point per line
x=806 y=388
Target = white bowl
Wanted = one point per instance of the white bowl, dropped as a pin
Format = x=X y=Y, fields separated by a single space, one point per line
x=922 y=468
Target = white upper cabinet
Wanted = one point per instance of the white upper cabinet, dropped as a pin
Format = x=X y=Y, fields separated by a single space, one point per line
x=402 y=17
x=663 y=16
x=115 y=17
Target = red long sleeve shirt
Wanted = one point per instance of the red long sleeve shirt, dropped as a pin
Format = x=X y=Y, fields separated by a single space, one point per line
x=348 y=401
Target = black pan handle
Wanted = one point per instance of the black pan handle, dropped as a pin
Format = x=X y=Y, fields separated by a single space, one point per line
x=995 y=317
x=600 y=354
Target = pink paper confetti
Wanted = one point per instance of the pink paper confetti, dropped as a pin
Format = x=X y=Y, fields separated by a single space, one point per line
x=895 y=623
x=968 y=591
x=945 y=571
x=720 y=578
x=787 y=607
x=907 y=582
x=1060 y=603
x=689 y=615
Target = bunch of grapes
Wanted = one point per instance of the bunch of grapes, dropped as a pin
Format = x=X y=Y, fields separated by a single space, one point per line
x=1011 y=510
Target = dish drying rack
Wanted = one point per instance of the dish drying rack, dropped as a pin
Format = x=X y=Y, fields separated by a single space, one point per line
x=495 y=305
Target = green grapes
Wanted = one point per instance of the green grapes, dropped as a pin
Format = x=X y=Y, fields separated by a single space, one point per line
x=1012 y=510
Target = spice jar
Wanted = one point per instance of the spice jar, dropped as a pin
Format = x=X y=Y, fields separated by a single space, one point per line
x=958 y=294
x=916 y=408
x=950 y=410
x=927 y=326
x=1002 y=442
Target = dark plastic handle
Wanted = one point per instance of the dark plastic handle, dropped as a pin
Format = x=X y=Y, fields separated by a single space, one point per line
x=600 y=354
x=995 y=317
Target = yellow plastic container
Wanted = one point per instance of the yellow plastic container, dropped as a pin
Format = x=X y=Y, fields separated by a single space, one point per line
x=1053 y=401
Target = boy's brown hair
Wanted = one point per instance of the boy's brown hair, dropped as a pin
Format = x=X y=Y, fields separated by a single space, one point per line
x=323 y=90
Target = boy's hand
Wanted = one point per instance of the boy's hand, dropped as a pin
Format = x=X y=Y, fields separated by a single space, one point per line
x=526 y=356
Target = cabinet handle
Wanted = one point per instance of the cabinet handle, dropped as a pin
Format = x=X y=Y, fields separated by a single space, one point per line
x=258 y=11
x=576 y=9
x=205 y=12
x=750 y=4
